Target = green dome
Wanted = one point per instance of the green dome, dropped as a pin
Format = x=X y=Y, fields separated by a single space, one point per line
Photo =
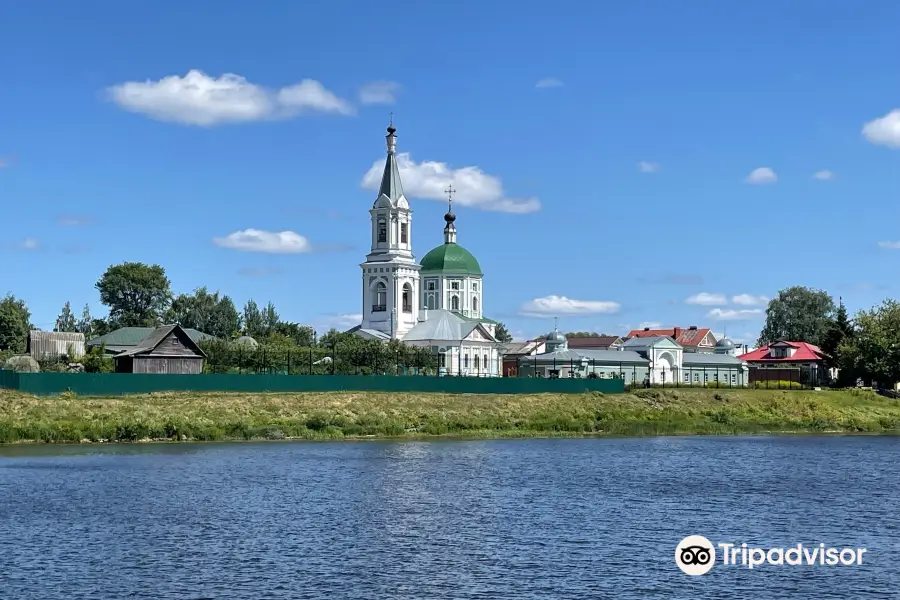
x=451 y=258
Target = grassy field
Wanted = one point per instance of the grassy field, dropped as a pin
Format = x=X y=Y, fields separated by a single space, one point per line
x=337 y=415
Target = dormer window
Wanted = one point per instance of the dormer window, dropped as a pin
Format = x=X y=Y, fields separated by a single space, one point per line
x=382 y=230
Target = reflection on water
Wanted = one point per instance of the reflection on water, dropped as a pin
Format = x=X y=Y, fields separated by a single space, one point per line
x=505 y=519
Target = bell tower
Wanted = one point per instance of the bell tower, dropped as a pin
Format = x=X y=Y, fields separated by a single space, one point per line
x=390 y=272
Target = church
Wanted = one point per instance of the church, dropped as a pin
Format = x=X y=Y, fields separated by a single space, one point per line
x=437 y=303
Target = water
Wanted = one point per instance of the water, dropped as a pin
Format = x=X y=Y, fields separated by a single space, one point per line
x=507 y=519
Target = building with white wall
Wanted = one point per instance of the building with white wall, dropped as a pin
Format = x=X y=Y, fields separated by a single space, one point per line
x=437 y=303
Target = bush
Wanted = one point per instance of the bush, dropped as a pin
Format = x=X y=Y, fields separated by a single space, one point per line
x=22 y=364
x=775 y=385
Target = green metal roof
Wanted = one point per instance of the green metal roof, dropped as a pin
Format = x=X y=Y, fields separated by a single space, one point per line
x=451 y=258
x=129 y=337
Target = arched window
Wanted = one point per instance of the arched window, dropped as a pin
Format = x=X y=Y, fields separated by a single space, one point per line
x=454 y=303
x=475 y=304
x=407 y=298
x=380 y=304
x=477 y=362
x=430 y=302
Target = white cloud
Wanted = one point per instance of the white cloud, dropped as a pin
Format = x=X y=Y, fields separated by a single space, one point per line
x=73 y=220
x=649 y=325
x=648 y=167
x=254 y=240
x=198 y=99
x=29 y=244
x=548 y=82
x=429 y=179
x=707 y=299
x=889 y=245
x=761 y=176
x=550 y=306
x=825 y=175
x=718 y=314
x=339 y=322
x=749 y=300
x=884 y=131
x=379 y=92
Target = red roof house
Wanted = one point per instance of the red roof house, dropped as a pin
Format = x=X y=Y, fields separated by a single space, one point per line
x=782 y=352
x=783 y=359
x=692 y=338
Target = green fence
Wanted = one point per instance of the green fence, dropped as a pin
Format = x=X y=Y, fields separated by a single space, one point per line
x=120 y=384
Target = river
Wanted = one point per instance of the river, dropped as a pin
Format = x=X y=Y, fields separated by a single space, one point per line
x=503 y=519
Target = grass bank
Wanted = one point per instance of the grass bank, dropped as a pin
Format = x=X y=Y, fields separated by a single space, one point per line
x=337 y=415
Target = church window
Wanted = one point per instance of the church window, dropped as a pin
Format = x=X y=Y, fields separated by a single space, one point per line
x=475 y=305
x=431 y=285
x=382 y=230
x=407 y=298
x=475 y=286
x=454 y=285
x=380 y=304
x=404 y=233
x=430 y=302
x=477 y=362
x=466 y=361
x=454 y=303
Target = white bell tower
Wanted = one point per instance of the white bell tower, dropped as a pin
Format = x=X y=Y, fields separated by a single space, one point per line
x=390 y=274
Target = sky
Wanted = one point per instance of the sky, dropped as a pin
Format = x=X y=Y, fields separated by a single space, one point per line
x=617 y=164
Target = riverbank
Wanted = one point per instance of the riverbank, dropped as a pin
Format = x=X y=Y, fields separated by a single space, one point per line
x=349 y=415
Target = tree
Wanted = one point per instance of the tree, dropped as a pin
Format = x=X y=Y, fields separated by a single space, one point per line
x=86 y=323
x=15 y=323
x=299 y=335
x=501 y=333
x=839 y=335
x=873 y=352
x=137 y=294
x=66 y=320
x=270 y=319
x=798 y=314
x=253 y=321
x=205 y=312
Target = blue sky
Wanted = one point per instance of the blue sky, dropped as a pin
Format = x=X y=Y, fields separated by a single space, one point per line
x=621 y=137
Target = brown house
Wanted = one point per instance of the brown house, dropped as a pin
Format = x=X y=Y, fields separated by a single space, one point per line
x=169 y=349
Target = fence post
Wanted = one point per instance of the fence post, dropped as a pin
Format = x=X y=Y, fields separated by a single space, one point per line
x=333 y=356
x=289 y=361
x=310 y=360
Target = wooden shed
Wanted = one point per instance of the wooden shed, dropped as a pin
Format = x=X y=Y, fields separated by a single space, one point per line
x=169 y=349
x=44 y=345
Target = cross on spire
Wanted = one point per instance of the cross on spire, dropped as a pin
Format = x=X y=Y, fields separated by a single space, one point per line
x=392 y=118
x=555 y=323
x=450 y=191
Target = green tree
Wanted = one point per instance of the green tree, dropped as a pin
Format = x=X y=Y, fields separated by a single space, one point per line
x=270 y=319
x=137 y=294
x=101 y=327
x=873 y=351
x=501 y=333
x=299 y=335
x=15 y=323
x=86 y=323
x=798 y=314
x=66 y=321
x=330 y=337
x=253 y=321
x=205 y=312
x=839 y=335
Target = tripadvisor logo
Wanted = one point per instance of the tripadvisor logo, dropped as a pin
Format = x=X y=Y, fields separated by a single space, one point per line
x=696 y=555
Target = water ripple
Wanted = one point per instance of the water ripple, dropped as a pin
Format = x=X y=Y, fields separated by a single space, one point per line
x=498 y=520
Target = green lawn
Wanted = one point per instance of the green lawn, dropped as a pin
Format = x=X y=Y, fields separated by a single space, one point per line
x=336 y=415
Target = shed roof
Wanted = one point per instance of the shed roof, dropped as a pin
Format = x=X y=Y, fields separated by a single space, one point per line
x=127 y=337
x=444 y=325
x=707 y=358
x=153 y=340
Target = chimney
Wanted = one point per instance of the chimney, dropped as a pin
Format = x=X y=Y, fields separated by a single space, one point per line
x=693 y=328
x=646 y=329
x=423 y=315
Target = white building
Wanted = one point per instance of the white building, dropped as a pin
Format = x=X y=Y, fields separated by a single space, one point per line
x=437 y=303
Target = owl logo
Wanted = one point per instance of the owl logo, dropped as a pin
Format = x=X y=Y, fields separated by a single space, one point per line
x=695 y=555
